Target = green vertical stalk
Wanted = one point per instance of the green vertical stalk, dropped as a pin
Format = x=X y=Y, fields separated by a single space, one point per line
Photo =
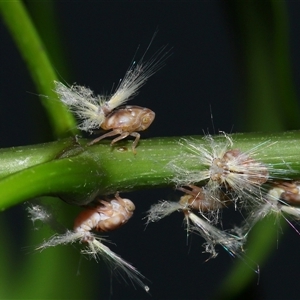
x=267 y=103
x=18 y=22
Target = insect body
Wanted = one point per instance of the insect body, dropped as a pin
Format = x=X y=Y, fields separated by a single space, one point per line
x=106 y=216
x=287 y=191
x=236 y=167
x=126 y=121
x=197 y=198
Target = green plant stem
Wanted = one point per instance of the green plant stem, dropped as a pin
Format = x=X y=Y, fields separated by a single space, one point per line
x=77 y=173
x=247 y=269
x=19 y=158
x=261 y=35
x=262 y=40
x=34 y=54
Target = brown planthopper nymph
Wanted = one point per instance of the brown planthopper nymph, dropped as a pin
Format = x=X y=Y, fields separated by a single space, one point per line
x=105 y=111
x=196 y=198
x=105 y=216
x=126 y=121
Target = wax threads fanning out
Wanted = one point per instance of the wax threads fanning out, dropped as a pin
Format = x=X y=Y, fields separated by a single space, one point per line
x=97 y=250
x=281 y=199
x=105 y=112
x=221 y=168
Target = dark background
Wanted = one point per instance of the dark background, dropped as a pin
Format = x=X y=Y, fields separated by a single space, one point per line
x=201 y=78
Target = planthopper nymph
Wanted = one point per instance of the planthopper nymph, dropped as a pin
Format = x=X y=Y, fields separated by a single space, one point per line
x=105 y=111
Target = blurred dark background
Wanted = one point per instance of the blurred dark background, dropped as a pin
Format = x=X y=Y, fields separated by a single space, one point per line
x=205 y=76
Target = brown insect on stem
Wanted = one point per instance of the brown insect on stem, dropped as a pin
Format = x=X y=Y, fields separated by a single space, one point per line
x=196 y=198
x=125 y=121
x=105 y=111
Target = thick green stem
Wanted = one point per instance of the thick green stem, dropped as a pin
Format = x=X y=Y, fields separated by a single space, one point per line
x=77 y=173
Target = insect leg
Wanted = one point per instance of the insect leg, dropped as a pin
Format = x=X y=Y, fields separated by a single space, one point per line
x=111 y=133
x=135 y=142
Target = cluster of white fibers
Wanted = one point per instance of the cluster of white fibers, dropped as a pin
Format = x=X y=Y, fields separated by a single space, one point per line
x=96 y=249
x=199 y=225
x=280 y=200
x=83 y=103
x=221 y=167
x=39 y=211
x=135 y=77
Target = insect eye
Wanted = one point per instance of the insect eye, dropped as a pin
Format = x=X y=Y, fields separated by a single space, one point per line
x=145 y=120
x=129 y=205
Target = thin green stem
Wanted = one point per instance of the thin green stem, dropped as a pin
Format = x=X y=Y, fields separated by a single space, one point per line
x=35 y=56
x=261 y=36
x=247 y=269
x=261 y=30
